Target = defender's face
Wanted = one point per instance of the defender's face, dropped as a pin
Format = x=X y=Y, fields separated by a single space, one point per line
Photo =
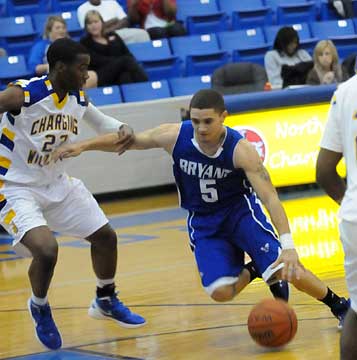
x=76 y=74
x=207 y=124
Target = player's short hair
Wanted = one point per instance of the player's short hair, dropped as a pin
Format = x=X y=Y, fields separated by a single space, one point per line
x=208 y=99
x=64 y=50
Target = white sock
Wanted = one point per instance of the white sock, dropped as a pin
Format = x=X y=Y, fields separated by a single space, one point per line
x=102 y=282
x=39 y=301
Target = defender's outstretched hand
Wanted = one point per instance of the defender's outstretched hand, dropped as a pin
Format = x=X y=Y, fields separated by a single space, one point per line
x=125 y=138
x=117 y=142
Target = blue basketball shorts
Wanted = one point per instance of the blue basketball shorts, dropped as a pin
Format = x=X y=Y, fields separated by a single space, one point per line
x=219 y=241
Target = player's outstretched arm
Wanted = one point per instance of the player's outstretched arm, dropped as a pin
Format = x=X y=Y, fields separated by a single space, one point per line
x=163 y=136
x=113 y=142
x=247 y=158
x=11 y=99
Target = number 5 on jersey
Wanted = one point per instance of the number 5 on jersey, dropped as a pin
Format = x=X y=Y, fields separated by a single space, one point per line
x=208 y=191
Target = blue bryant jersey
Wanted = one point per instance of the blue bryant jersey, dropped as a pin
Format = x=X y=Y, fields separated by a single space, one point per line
x=28 y=138
x=207 y=183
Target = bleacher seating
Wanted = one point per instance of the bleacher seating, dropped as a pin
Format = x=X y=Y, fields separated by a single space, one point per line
x=12 y=68
x=145 y=91
x=104 y=95
x=251 y=46
x=341 y=32
x=247 y=14
x=27 y=7
x=17 y=34
x=201 y=53
x=156 y=58
x=66 y=5
x=189 y=85
x=289 y=12
x=219 y=31
x=201 y=16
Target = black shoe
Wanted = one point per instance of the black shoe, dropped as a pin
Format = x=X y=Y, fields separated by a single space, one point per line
x=280 y=290
x=340 y=310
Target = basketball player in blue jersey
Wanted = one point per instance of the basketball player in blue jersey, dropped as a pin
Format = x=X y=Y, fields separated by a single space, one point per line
x=218 y=174
x=38 y=197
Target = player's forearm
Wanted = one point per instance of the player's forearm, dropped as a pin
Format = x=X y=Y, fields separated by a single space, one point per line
x=333 y=184
x=277 y=215
x=143 y=141
x=107 y=142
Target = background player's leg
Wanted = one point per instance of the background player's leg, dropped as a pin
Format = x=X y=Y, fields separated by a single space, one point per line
x=44 y=249
x=313 y=286
x=348 y=338
x=106 y=305
x=104 y=252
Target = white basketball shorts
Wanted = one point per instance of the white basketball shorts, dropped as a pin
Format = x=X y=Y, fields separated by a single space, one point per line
x=65 y=206
x=348 y=233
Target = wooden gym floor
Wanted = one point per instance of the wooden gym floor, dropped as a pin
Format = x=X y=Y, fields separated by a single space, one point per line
x=157 y=278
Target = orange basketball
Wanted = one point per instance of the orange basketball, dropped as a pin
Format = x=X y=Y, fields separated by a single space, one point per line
x=272 y=323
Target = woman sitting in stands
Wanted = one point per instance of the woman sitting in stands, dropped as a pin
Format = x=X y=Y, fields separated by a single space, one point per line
x=327 y=69
x=55 y=28
x=110 y=58
x=286 y=51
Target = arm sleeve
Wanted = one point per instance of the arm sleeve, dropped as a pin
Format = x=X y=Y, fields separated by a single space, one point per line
x=100 y=122
x=332 y=137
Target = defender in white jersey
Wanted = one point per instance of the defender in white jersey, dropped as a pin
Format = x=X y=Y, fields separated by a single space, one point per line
x=38 y=197
x=340 y=139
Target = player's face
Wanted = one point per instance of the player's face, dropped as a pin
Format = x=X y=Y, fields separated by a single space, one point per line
x=76 y=74
x=207 y=124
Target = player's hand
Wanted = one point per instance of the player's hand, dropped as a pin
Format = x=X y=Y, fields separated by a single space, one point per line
x=292 y=266
x=66 y=151
x=125 y=138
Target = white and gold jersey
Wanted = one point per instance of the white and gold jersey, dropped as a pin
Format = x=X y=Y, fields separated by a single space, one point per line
x=28 y=138
x=341 y=136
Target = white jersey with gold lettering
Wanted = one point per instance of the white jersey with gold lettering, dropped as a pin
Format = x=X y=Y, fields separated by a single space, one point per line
x=341 y=136
x=44 y=123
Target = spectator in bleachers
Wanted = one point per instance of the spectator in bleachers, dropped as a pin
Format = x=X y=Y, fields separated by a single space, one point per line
x=115 y=19
x=110 y=58
x=55 y=28
x=286 y=51
x=158 y=17
x=327 y=69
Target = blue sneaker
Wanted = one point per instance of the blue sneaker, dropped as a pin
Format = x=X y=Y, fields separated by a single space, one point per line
x=46 y=329
x=280 y=290
x=339 y=310
x=112 y=308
